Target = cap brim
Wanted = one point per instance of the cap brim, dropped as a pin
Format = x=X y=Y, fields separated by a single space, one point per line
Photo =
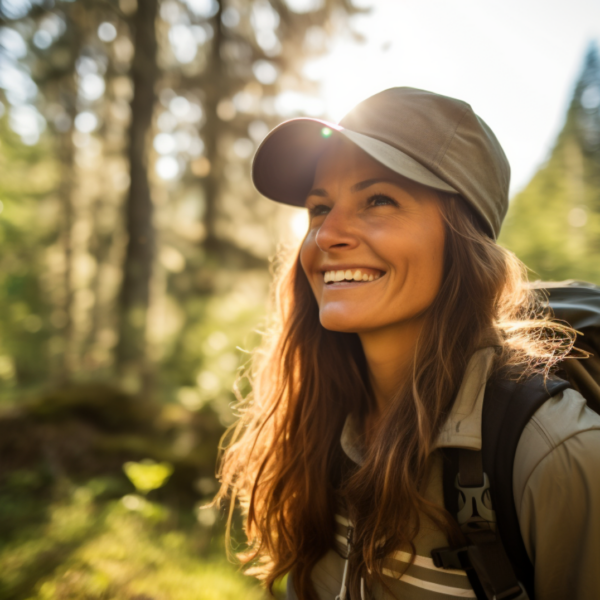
x=284 y=165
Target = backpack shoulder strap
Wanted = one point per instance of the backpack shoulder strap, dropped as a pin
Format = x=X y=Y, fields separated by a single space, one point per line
x=495 y=562
x=508 y=407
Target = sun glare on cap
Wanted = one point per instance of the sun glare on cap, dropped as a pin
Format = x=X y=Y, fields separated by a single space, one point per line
x=326 y=132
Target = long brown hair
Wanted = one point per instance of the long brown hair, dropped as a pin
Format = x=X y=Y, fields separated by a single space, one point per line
x=281 y=459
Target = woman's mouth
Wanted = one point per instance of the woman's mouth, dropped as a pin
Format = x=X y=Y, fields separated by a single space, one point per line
x=341 y=277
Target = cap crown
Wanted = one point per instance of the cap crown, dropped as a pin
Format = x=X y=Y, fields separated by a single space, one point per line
x=447 y=137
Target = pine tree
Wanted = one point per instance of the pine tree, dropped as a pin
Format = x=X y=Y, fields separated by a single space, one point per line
x=140 y=252
x=553 y=225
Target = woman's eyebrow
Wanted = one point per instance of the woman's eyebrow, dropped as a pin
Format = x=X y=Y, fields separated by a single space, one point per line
x=357 y=187
x=318 y=192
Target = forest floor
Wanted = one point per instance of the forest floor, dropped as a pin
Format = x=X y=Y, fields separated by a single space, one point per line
x=75 y=526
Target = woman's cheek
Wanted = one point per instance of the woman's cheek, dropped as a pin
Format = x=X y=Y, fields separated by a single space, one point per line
x=308 y=258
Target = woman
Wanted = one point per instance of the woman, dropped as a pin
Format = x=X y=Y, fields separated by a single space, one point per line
x=388 y=322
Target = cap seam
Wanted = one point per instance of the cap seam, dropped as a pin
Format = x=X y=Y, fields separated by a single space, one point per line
x=444 y=150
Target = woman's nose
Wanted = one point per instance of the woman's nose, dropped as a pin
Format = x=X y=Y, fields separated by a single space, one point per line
x=336 y=231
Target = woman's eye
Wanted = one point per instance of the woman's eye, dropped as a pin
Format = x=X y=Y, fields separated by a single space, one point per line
x=320 y=209
x=381 y=200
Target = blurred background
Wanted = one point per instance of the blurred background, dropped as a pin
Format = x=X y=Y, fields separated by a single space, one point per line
x=135 y=256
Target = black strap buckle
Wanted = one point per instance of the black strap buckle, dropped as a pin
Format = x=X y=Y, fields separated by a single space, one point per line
x=473 y=509
x=451 y=558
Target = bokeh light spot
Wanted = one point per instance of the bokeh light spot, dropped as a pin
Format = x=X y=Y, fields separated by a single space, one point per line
x=590 y=98
x=230 y=17
x=243 y=148
x=171 y=259
x=258 y=130
x=86 y=121
x=16 y=9
x=166 y=122
x=304 y=6
x=183 y=141
x=92 y=86
x=179 y=106
x=208 y=381
x=577 y=217
x=203 y=8
x=217 y=340
x=42 y=39
x=265 y=71
x=164 y=143
x=167 y=167
x=12 y=42
x=27 y=122
x=183 y=43
x=200 y=167
x=226 y=110
x=107 y=32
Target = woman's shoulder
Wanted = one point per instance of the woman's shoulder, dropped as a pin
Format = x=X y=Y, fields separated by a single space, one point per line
x=557 y=497
x=562 y=422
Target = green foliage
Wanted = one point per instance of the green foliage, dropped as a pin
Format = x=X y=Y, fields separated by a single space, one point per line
x=553 y=225
x=124 y=548
x=148 y=474
x=201 y=362
x=27 y=178
x=73 y=526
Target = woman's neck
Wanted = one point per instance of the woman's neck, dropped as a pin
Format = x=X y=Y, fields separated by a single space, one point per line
x=389 y=353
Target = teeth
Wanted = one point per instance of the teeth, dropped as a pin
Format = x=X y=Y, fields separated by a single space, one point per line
x=349 y=275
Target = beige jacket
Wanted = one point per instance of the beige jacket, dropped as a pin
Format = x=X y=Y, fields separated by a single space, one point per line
x=556 y=489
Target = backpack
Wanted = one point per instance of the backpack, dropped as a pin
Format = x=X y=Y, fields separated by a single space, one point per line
x=495 y=558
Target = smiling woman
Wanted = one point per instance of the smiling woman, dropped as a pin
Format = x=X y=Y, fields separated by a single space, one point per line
x=390 y=226
x=393 y=231
x=397 y=316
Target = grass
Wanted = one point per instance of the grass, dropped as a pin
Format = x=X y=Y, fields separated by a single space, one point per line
x=98 y=502
x=72 y=542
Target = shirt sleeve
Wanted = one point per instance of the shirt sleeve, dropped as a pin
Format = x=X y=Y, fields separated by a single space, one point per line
x=559 y=516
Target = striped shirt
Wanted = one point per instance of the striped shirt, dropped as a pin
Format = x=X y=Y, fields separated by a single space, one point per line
x=421 y=580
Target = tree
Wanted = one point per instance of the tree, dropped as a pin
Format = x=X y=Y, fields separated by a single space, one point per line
x=225 y=66
x=139 y=255
x=152 y=112
x=553 y=225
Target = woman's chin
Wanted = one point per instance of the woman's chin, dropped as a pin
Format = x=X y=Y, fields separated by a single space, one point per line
x=342 y=323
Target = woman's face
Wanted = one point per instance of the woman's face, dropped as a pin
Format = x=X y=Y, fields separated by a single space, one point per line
x=373 y=253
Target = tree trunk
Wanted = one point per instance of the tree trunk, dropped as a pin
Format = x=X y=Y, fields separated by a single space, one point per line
x=66 y=154
x=214 y=89
x=139 y=255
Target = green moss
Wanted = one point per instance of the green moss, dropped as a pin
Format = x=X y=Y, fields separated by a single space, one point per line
x=129 y=548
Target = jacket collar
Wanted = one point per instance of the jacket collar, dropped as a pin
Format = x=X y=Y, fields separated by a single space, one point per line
x=462 y=429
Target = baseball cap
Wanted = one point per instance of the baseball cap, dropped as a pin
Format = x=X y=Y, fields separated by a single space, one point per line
x=432 y=139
